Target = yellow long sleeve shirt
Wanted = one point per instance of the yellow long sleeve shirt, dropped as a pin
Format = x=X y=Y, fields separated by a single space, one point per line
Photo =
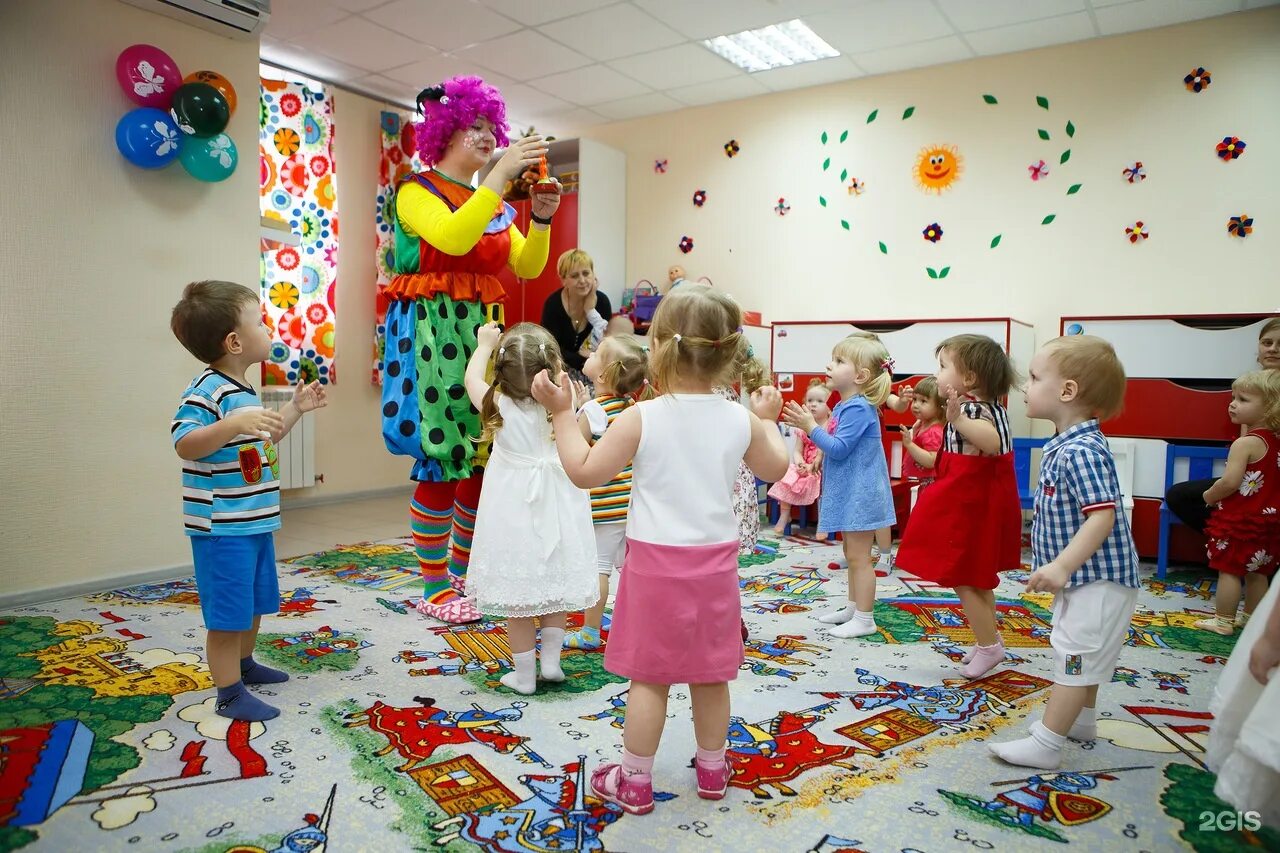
x=424 y=215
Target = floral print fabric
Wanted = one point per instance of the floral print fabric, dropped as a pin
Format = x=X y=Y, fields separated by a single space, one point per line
x=397 y=159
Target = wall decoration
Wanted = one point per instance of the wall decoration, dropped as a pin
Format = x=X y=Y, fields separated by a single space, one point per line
x=1137 y=232
x=699 y=198
x=857 y=187
x=1135 y=174
x=1230 y=148
x=937 y=168
x=1197 y=81
x=686 y=244
x=932 y=232
x=1038 y=170
x=731 y=148
x=398 y=159
x=782 y=208
x=1240 y=226
x=660 y=167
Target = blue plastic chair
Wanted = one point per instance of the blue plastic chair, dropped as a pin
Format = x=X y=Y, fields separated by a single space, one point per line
x=1022 y=448
x=1200 y=461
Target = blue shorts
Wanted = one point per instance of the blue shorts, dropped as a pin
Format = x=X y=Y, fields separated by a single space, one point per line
x=236 y=577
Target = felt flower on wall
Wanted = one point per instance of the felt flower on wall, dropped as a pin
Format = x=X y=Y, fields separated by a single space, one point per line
x=659 y=166
x=856 y=187
x=699 y=198
x=686 y=244
x=731 y=148
x=1135 y=174
x=1137 y=231
x=1038 y=170
x=1240 y=226
x=1230 y=148
x=932 y=232
x=1197 y=81
x=782 y=208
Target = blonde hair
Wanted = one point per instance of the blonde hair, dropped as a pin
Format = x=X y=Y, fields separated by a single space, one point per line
x=864 y=350
x=626 y=370
x=1093 y=365
x=986 y=360
x=572 y=259
x=523 y=351
x=1272 y=326
x=927 y=388
x=815 y=382
x=696 y=335
x=1266 y=384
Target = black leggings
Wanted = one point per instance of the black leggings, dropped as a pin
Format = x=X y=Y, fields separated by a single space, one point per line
x=1186 y=501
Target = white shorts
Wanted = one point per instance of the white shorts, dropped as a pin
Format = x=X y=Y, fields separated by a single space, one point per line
x=611 y=546
x=1090 y=623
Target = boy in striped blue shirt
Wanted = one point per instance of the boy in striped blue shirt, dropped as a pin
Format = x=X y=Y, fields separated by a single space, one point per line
x=230 y=483
x=1081 y=547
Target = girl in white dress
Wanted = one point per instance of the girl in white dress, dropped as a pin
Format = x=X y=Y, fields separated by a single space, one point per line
x=533 y=553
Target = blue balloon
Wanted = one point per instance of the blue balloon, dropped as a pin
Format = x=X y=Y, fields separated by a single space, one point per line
x=148 y=138
x=210 y=160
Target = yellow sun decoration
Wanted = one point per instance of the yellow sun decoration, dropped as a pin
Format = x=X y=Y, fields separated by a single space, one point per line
x=937 y=168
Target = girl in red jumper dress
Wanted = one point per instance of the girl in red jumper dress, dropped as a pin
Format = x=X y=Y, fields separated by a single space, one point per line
x=1243 y=531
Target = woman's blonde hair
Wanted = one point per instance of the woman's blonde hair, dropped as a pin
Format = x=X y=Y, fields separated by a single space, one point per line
x=696 y=335
x=986 y=360
x=865 y=351
x=523 y=351
x=626 y=366
x=571 y=260
x=1266 y=384
x=1272 y=326
x=927 y=388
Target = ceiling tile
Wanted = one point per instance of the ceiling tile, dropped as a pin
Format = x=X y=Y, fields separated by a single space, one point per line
x=968 y=15
x=292 y=18
x=363 y=44
x=393 y=90
x=435 y=67
x=732 y=89
x=709 y=18
x=308 y=62
x=534 y=12
x=349 y=5
x=880 y=24
x=524 y=55
x=1032 y=34
x=641 y=105
x=612 y=32
x=526 y=99
x=444 y=24
x=919 y=55
x=808 y=74
x=594 y=84
x=1145 y=14
x=681 y=65
x=566 y=123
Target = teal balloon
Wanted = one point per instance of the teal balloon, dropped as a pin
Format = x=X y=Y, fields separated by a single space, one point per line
x=209 y=160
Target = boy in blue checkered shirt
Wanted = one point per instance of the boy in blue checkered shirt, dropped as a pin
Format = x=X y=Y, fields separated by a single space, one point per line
x=1082 y=550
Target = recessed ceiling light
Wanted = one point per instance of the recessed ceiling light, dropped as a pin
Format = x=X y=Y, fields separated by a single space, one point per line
x=788 y=43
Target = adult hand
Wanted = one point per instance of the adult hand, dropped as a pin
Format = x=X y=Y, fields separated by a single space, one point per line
x=798 y=416
x=521 y=154
x=552 y=397
x=545 y=205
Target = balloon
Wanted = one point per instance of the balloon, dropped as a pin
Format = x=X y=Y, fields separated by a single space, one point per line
x=217 y=81
x=148 y=138
x=200 y=110
x=209 y=160
x=148 y=75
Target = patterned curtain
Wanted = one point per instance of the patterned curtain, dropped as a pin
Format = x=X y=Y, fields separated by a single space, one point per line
x=296 y=185
x=397 y=159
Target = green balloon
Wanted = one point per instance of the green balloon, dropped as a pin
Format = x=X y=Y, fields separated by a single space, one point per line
x=200 y=110
x=209 y=160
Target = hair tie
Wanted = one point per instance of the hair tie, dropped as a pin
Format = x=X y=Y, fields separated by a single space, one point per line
x=432 y=93
x=645 y=383
x=887 y=365
x=716 y=343
x=542 y=349
x=502 y=351
x=676 y=337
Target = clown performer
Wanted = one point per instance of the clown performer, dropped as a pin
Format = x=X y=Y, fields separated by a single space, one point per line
x=451 y=241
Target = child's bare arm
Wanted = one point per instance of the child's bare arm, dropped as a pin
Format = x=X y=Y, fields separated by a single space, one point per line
x=1242 y=452
x=766 y=455
x=1054 y=575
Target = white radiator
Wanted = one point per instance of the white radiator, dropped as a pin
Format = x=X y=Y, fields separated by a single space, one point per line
x=298 y=449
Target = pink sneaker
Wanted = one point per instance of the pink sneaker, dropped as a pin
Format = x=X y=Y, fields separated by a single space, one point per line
x=985 y=659
x=712 y=781
x=456 y=611
x=633 y=793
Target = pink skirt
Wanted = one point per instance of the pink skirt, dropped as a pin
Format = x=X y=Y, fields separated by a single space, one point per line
x=796 y=488
x=678 y=615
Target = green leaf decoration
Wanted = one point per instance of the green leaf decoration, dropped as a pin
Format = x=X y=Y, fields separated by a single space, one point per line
x=826 y=164
x=844 y=136
x=1048 y=219
x=822 y=200
x=844 y=223
x=884 y=250
x=1074 y=188
x=942 y=273
x=824 y=137
x=1042 y=101
x=1066 y=155
x=932 y=272
x=844 y=175
x=1071 y=129
x=990 y=99
x=873 y=115
x=995 y=241
x=1043 y=134
x=908 y=113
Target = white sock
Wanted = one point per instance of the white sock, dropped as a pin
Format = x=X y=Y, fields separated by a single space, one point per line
x=523 y=678
x=839 y=617
x=1085 y=726
x=552 y=641
x=861 y=625
x=1041 y=749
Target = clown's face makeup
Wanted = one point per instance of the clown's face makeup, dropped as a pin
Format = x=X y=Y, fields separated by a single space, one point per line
x=477 y=141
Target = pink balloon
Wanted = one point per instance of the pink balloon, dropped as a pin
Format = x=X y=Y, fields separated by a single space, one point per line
x=148 y=75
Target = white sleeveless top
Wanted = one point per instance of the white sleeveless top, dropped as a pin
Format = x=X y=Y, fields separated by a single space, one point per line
x=684 y=469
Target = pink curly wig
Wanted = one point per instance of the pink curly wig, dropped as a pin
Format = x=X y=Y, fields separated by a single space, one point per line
x=454 y=105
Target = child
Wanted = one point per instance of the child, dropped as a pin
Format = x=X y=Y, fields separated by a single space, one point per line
x=749 y=374
x=967 y=525
x=619 y=369
x=856 y=500
x=231 y=483
x=1243 y=530
x=803 y=482
x=1082 y=550
x=678 y=600
x=533 y=551
x=922 y=441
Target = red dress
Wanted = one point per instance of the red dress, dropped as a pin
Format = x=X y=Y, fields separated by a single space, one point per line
x=1243 y=531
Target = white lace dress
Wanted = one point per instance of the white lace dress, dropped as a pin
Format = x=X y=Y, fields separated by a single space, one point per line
x=534 y=550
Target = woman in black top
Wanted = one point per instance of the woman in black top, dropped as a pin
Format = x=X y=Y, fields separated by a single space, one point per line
x=571 y=313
